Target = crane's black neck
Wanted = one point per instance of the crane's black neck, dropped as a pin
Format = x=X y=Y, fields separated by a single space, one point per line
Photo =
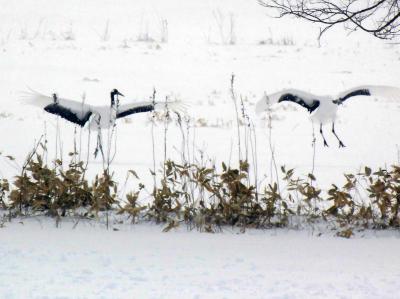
x=55 y=98
x=114 y=98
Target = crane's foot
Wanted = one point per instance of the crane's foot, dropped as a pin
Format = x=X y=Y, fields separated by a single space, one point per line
x=325 y=143
x=341 y=144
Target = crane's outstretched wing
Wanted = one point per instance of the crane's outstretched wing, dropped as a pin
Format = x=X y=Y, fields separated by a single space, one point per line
x=73 y=111
x=386 y=92
x=304 y=99
x=132 y=108
x=139 y=107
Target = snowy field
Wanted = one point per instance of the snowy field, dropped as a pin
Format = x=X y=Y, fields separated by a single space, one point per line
x=41 y=261
x=185 y=50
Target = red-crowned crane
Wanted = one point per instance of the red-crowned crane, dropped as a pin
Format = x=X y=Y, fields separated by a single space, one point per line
x=323 y=109
x=96 y=117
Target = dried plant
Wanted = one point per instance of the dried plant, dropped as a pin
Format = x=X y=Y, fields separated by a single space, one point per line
x=4 y=189
x=132 y=208
x=59 y=191
x=205 y=197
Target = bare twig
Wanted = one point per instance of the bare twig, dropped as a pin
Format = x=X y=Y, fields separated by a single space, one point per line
x=379 y=18
x=234 y=99
x=153 y=115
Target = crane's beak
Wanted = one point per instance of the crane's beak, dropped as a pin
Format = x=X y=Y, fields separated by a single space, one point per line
x=120 y=94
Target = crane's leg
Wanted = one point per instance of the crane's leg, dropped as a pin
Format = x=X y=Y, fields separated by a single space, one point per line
x=99 y=145
x=334 y=133
x=322 y=134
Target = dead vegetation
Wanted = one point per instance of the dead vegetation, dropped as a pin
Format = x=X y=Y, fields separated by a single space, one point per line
x=57 y=190
x=206 y=197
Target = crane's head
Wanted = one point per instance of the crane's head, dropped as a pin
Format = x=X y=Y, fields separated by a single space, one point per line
x=114 y=93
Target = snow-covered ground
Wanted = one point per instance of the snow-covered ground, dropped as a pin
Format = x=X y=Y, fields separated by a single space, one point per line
x=93 y=46
x=41 y=261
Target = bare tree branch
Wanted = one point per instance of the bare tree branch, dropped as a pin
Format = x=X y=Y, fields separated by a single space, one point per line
x=380 y=18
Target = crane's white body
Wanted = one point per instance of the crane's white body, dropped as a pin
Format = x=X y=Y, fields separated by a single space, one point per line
x=105 y=116
x=326 y=112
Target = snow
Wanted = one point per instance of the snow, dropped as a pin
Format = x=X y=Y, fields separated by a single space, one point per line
x=88 y=261
x=75 y=47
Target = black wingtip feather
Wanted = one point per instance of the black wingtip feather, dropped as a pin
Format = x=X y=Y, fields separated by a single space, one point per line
x=358 y=92
x=288 y=97
x=67 y=114
x=141 y=109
